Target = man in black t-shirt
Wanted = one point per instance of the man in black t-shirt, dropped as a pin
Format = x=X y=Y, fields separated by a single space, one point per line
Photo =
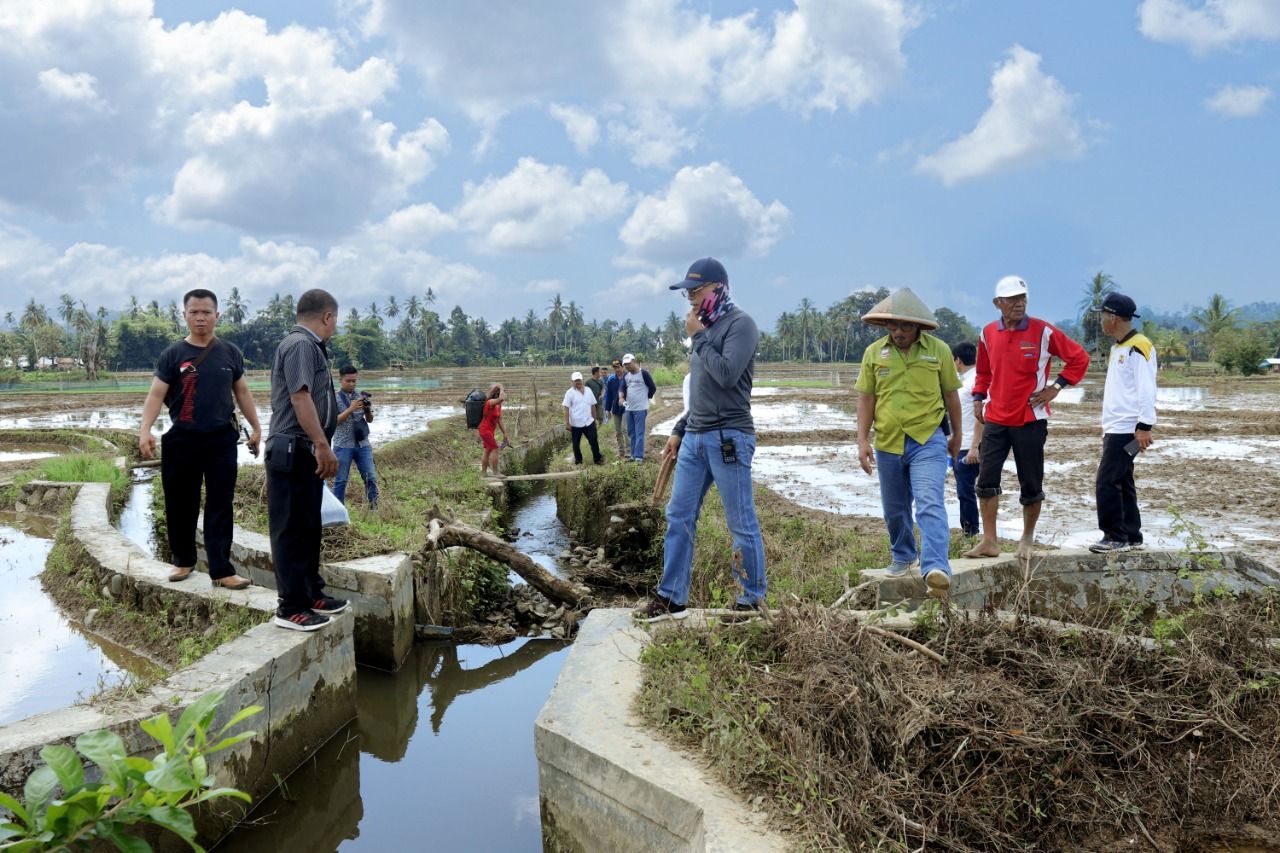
x=201 y=380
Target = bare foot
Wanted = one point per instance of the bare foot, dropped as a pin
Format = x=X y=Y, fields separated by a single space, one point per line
x=983 y=549
x=1026 y=549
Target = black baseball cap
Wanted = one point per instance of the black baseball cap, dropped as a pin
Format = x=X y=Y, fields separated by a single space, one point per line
x=702 y=272
x=1120 y=305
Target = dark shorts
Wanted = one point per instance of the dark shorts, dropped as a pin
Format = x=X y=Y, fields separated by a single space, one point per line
x=1027 y=444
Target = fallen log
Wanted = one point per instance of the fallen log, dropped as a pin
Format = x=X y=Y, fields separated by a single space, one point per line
x=445 y=533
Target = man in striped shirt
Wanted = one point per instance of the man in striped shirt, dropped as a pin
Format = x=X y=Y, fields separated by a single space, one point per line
x=1011 y=397
x=1128 y=416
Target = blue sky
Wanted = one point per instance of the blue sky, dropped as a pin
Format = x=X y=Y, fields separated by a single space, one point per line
x=501 y=153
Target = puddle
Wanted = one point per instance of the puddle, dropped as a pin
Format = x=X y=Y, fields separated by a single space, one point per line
x=25 y=456
x=391 y=421
x=136 y=517
x=800 y=416
x=46 y=661
x=440 y=758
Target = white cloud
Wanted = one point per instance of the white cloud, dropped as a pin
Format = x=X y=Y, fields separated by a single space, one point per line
x=537 y=207
x=417 y=223
x=667 y=54
x=704 y=210
x=263 y=130
x=1029 y=121
x=1238 y=101
x=654 y=284
x=355 y=272
x=1211 y=24
x=651 y=136
x=581 y=127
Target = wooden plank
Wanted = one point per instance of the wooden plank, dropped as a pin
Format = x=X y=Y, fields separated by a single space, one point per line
x=555 y=475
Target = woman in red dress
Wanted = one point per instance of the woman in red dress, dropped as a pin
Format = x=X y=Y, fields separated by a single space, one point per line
x=492 y=421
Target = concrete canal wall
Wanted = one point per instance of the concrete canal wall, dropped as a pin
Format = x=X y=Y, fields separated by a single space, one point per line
x=606 y=782
x=304 y=681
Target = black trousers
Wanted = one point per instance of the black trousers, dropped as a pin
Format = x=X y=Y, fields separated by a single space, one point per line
x=189 y=459
x=1117 y=496
x=590 y=432
x=1027 y=443
x=293 y=510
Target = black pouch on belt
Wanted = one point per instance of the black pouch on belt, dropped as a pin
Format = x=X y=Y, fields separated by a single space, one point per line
x=280 y=454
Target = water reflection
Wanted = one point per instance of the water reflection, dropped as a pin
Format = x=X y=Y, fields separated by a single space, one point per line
x=385 y=783
x=542 y=536
x=136 y=516
x=46 y=661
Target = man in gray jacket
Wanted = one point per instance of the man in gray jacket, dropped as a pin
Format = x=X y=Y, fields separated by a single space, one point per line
x=713 y=442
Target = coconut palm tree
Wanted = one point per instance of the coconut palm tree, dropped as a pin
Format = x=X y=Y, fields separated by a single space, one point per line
x=236 y=307
x=1095 y=291
x=1217 y=319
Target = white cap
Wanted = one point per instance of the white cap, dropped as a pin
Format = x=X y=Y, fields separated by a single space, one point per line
x=628 y=358
x=575 y=376
x=1010 y=285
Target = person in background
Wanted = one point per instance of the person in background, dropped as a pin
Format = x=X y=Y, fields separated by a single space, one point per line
x=580 y=409
x=304 y=415
x=596 y=384
x=489 y=424
x=713 y=443
x=351 y=439
x=614 y=408
x=201 y=380
x=965 y=465
x=1011 y=396
x=638 y=389
x=908 y=391
x=1128 y=417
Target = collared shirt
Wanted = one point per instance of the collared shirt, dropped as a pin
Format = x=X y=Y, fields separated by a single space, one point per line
x=908 y=388
x=344 y=435
x=966 y=407
x=1129 y=396
x=579 y=404
x=1014 y=363
x=301 y=361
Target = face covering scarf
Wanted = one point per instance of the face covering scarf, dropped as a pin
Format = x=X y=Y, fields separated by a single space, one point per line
x=715 y=305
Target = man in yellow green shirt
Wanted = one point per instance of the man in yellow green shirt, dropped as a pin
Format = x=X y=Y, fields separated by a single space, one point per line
x=907 y=383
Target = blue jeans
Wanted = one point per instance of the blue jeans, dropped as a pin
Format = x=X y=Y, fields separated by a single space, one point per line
x=698 y=465
x=635 y=431
x=966 y=481
x=363 y=457
x=917 y=474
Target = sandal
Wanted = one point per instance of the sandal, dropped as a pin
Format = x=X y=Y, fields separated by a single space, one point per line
x=233 y=582
x=180 y=573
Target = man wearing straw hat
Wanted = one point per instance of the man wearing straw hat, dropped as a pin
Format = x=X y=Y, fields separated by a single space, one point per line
x=907 y=383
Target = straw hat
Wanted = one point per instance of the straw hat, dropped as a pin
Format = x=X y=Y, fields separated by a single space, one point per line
x=901 y=305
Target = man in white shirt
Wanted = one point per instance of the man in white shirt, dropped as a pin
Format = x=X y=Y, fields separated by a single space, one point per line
x=965 y=466
x=580 y=408
x=1128 y=416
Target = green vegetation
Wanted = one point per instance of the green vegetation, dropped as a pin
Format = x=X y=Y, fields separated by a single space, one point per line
x=62 y=809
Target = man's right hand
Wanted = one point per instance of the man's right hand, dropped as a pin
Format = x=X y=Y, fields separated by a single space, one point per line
x=672 y=447
x=326 y=462
x=866 y=456
x=978 y=406
x=147 y=445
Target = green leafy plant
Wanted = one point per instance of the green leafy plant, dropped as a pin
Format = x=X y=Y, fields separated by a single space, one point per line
x=62 y=809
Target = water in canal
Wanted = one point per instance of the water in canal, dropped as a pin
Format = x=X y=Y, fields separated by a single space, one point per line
x=441 y=755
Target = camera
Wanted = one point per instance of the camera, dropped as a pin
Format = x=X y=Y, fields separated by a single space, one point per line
x=366 y=400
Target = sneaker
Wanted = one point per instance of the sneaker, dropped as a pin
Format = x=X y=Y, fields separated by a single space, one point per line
x=1135 y=546
x=329 y=606
x=938 y=581
x=897 y=570
x=1108 y=546
x=741 y=612
x=301 y=621
x=660 y=609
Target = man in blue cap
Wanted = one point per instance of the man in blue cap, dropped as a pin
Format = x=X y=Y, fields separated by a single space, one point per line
x=713 y=442
x=1128 y=416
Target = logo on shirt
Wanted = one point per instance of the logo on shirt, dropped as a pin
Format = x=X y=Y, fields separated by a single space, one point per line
x=884 y=353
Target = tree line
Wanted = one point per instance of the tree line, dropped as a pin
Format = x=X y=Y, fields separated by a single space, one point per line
x=413 y=333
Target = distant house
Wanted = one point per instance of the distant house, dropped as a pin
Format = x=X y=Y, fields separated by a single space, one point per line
x=1272 y=364
x=64 y=362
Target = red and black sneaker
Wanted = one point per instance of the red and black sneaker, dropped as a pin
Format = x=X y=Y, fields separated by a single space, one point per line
x=304 y=621
x=329 y=606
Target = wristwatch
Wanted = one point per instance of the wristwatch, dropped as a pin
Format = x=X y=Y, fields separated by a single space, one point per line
x=1061 y=383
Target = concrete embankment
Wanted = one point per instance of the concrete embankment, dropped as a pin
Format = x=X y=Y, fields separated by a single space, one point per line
x=304 y=681
x=606 y=783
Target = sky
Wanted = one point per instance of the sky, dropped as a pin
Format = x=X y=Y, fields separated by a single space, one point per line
x=501 y=153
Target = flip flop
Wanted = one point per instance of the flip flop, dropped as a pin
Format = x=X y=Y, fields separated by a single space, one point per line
x=180 y=573
x=233 y=582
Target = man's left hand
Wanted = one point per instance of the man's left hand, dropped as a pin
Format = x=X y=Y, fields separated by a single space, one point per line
x=1144 y=439
x=254 y=441
x=1045 y=395
x=953 y=445
x=692 y=322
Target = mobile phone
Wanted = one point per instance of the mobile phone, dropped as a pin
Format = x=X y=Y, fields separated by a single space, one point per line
x=252 y=450
x=728 y=452
x=1132 y=448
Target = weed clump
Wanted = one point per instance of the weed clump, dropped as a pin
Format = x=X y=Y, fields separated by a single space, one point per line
x=1030 y=737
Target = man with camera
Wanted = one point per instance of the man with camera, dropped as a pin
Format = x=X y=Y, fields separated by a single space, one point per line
x=200 y=379
x=713 y=443
x=351 y=440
